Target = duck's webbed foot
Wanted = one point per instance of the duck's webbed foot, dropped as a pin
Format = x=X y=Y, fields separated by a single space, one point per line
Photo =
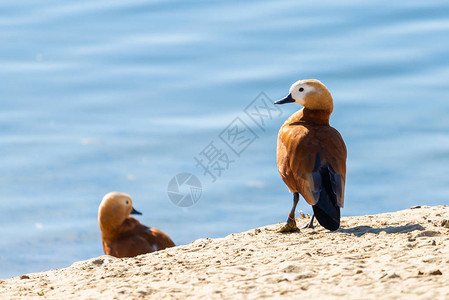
x=290 y=226
x=310 y=224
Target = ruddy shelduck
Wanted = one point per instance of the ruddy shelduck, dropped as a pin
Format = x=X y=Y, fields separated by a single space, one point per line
x=124 y=236
x=311 y=155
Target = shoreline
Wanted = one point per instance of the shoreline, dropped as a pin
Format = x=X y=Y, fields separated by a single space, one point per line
x=391 y=255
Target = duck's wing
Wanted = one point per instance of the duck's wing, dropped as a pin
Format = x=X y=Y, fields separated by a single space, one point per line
x=152 y=238
x=331 y=156
x=157 y=239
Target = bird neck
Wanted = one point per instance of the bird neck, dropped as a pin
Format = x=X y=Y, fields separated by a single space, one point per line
x=315 y=116
x=110 y=230
x=110 y=224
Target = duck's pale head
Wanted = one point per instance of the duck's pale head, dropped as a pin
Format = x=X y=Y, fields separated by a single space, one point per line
x=310 y=93
x=114 y=209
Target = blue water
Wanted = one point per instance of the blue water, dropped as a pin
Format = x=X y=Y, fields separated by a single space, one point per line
x=98 y=96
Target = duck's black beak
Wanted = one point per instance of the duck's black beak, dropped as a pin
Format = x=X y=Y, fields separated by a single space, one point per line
x=287 y=99
x=135 y=212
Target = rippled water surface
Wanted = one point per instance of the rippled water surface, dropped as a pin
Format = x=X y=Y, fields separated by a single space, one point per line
x=98 y=96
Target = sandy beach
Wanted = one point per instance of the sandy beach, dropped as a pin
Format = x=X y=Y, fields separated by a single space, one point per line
x=397 y=255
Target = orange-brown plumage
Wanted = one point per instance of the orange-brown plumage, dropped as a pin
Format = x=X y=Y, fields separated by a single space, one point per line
x=300 y=138
x=124 y=236
x=306 y=137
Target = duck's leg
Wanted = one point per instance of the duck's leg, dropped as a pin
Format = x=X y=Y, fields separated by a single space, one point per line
x=291 y=223
x=310 y=224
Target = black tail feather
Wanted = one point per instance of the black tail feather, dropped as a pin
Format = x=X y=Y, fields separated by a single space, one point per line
x=326 y=210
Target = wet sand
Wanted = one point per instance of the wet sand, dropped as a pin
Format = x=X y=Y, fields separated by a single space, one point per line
x=397 y=255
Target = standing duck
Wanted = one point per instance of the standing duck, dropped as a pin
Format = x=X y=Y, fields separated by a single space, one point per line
x=124 y=236
x=311 y=155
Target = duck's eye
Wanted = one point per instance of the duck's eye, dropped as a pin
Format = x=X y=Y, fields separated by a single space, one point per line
x=301 y=89
x=127 y=202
